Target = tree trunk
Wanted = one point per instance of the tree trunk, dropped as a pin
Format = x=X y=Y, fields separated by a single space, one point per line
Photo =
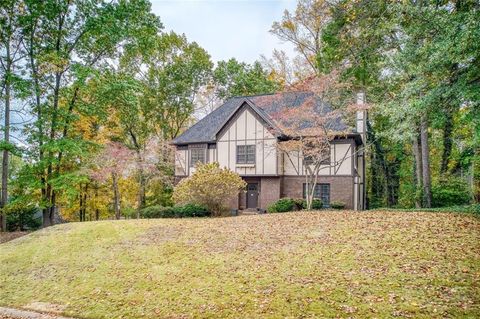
x=80 y=205
x=476 y=177
x=97 y=211
x=141 y=176
x=427 y=194
x=393 y=183
x=116 y=196
x=447 y=141
x=40 y=121
x=85 y=196
x=417 y=154
x=5 y=154
x=46 y=217
x=141 y=191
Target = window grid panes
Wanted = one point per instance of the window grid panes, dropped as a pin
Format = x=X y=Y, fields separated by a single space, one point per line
x=197 y=155
x=245 y=154
x=322 y=192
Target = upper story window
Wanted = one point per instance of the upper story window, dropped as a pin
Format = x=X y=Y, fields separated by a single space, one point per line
x=197 y=155
x=245 y=154
x=324 y=158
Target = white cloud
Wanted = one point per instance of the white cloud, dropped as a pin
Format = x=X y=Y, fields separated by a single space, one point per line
x=226 y=29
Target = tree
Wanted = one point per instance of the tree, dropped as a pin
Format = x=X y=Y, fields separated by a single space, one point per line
x=65 y=43
x=407 y=58
x=114 y=163
x=150 y=97
x=304 y=30
x=210 y=186
x=12 y=53
x=176 y=70
x=233 y=78
x=284 y=70
x=309 y=129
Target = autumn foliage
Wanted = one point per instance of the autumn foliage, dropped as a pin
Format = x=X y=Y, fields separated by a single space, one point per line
x=211 y=186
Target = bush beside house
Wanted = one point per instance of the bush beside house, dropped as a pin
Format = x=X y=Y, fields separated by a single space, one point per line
x=209 y=186
x=289 y=204
x=337 y=205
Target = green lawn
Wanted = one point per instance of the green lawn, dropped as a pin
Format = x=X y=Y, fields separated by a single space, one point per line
x=302 y=264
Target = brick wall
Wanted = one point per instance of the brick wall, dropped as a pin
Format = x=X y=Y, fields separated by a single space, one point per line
x=233 y=202
x=269 y=191
x=341 y=188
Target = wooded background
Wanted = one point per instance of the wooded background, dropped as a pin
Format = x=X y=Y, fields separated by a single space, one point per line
x=91 y=93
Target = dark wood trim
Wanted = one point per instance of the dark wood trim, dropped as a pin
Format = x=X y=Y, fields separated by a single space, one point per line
x=334 y=159
x=255 y=136
x=228 y=149
x=352 y=156
x=249 y=139
x=339 y=175
x=293 y=165
x=245 y=136
x=263 y=150
x=236 y=114
x=343 y=160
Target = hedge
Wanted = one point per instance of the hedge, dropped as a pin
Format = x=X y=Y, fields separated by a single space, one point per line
x=188 y=210
x=337 y=205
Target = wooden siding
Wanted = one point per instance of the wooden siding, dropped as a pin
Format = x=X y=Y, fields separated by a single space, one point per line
x=342 y=155
x=245 y=128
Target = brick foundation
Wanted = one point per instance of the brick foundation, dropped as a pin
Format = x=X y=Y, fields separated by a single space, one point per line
x=273 y=188
x=341 y=188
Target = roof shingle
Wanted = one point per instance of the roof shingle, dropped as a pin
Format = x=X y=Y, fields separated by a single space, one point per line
x=204 y=130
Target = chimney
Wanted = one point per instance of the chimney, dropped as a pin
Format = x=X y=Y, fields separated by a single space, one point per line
x=361 y=122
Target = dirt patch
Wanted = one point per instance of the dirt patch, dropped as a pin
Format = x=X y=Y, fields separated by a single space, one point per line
x=11 y=313
x=4 y=237
x=46 y=307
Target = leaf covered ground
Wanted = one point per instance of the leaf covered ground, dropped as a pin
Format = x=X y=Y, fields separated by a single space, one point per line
x=297 y=265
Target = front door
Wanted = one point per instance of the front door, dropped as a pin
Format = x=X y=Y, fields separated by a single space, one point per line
x=252 y=195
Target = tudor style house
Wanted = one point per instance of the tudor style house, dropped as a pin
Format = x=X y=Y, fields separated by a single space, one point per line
x=241 y=135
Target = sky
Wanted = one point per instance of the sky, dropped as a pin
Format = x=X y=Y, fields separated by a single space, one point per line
x=227 y=28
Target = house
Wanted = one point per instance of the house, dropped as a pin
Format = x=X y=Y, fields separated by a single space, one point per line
x=242 y=135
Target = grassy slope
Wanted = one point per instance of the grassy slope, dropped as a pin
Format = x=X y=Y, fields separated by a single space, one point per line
x=324 y=264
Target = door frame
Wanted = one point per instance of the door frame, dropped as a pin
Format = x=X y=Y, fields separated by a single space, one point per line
x=257 y=194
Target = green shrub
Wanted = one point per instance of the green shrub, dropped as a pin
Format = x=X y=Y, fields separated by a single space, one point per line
x=282 y=205
x=272 y=208
x=317 y=204
x=180 y=211
x=300 y=203
x=157 y=211
x=191 y=210
x=451 y=191
x=129 y=212
x=23 y=218
x=337 y=205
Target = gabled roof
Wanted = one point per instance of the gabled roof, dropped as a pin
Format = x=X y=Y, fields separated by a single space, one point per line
x=266 y=106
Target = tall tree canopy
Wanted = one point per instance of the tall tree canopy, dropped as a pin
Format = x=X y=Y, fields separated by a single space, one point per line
x=418 y=63
x=233 y=78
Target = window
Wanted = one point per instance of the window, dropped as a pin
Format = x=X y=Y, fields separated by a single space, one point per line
x=322 y=192
x=324 y=158
x=197 y=155
x=245 y=154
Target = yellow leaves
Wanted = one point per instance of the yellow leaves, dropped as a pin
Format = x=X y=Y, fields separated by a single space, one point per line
x=288 y=24
x=210 y=186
